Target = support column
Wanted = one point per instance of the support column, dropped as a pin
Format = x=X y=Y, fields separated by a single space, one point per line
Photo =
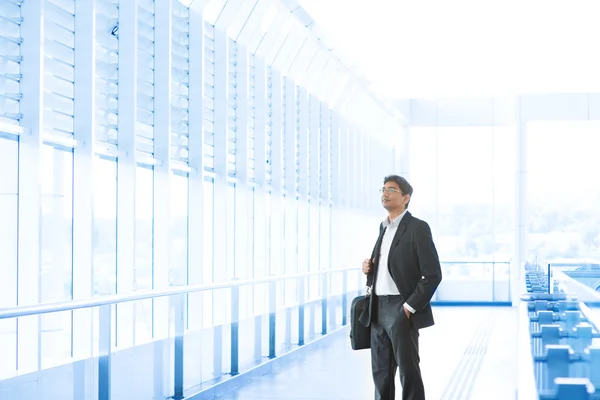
x=161 y=274
x=29 y=235
x=126 y=167
x=290 y=246
x=222 y=260
x=162 y=171
x=303 y=182
x=261 y=261
x=193 y=365
x=261 y=266
x=520 y=212
x=83 y=157
x=276 y=208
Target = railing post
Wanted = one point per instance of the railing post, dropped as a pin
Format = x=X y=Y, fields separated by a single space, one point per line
x=104 y=360
x=509 y=283
x=179 y=316
x=324 y=305
x=272 y=317
x=344 y=297
x=494 y=282
x=235 y=316
x=301 y=301
x=548 y=277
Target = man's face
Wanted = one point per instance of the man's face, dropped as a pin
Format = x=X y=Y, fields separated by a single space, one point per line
x=392 y=197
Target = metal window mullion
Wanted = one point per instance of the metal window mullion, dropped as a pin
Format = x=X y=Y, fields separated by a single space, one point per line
x=162 y=172
x=83 y=189
x=276 y=173
x=324 y=209
x=196 y=163
x=303 y=145
x=370 y=168
x=358 y=146
x=126 y=166
x=353 y=177
x=276 y=132
x=291 y=210
x=260 y=161
x=242 y=115
x=290 y=138
x=336 y=175
x=260 y=118
x=221 y=270
x=29 y=199
x=324 y=129
x=361 y=146
x=243 y=260
x=313 y=163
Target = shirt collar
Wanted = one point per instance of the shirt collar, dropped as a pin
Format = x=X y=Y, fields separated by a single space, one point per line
x=395 y=222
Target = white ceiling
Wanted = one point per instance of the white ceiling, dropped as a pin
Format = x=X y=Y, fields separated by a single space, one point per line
x=465 y=48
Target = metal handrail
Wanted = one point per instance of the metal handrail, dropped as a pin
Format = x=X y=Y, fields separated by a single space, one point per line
x=474 y=262
x=37 y=309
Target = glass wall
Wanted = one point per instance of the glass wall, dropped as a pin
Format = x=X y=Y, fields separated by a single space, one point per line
x=179 y=230
x=144 y=214
x=9 y=189
x=57 y=251
x=104 y=238
x=463 y=181
x=264 y=193
x=562 y=192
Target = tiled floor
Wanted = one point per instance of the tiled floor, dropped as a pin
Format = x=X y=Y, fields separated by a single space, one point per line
x=470 y=353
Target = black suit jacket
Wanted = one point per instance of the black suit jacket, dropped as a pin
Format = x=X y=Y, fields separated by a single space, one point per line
x=414 y=265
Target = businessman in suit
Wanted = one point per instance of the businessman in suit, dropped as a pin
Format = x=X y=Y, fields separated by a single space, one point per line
x=403 y=273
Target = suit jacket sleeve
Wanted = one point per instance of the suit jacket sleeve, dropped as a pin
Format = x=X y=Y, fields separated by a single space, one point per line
x=429 y=265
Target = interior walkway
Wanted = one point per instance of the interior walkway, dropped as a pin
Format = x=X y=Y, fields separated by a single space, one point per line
x=471 y=353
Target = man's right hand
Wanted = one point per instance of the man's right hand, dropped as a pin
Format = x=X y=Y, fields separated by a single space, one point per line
x=366 y=266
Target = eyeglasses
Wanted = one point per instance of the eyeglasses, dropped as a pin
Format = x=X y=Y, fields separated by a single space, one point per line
x=389 y=190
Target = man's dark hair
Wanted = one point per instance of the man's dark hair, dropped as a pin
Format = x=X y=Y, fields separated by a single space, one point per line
x=402 y=183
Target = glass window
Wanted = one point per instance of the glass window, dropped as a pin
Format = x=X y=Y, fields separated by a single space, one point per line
x=105 y=227
x=9 y=186
x=57 y=224
x=144 y=261
x=465 y=182
x=504 y=192
x=232 y=269
x=423 y=175
x=462 y=188
x=207 y=268
x=208 y=220
x=562 y=193
x=57 y=251
x=9 y=179
x=144 y=201
x=179 y=230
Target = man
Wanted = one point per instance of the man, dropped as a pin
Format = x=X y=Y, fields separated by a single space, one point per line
x=403 y=273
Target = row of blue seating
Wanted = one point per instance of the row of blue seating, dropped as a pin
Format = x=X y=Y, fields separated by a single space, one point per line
x=564 y=343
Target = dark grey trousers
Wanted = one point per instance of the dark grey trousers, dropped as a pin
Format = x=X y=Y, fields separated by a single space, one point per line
x=394 y=344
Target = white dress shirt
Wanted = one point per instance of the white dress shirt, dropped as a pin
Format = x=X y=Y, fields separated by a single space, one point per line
x=384 y=284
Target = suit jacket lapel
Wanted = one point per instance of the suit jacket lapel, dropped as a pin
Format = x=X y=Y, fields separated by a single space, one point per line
x=375 y=255
x=400 y=231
